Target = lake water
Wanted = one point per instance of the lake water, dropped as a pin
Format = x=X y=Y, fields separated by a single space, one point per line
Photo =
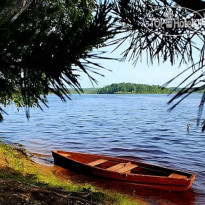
x=137 y=126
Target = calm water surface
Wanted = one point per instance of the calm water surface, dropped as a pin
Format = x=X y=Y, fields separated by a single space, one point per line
x=120 y=125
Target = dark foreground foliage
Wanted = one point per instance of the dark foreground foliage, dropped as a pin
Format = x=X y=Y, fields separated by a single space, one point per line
x=46 y=45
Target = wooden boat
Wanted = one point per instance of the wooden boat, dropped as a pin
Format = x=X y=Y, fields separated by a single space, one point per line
x=124 y=170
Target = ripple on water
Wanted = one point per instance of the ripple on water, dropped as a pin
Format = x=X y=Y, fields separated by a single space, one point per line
x=119 y=125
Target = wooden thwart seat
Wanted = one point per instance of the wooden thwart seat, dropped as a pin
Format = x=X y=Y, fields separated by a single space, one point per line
x=116 y=167
x=127 y=168
x=122 y=167
x=97 y=162
x=177 y=176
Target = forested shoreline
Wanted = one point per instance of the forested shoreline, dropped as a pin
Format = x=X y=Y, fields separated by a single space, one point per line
x=132 y=88
x=129 y=88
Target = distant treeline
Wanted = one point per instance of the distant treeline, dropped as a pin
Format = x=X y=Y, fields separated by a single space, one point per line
x=128 y=88
x=131 y=88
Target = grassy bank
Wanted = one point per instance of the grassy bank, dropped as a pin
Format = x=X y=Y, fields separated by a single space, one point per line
x=24 y=181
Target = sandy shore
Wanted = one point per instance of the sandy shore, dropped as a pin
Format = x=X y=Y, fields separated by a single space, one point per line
x=23 y=181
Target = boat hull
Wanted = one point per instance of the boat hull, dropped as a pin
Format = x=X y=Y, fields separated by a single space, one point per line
x=140 y=180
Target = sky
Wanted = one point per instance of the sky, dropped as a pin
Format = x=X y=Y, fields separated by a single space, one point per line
x=125 y=71
x=141 y=73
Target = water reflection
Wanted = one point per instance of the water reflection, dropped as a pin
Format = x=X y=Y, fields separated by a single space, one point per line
x=145 y=196
x=120 y=125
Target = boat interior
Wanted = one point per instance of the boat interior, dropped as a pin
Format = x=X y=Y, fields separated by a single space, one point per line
x=124 y=166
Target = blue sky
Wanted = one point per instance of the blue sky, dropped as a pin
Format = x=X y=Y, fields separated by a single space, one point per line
x=156 y=74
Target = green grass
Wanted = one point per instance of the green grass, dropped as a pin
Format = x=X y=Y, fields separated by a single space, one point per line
x=16 y=165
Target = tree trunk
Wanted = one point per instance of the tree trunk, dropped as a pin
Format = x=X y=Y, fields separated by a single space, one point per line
x=10 y=9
